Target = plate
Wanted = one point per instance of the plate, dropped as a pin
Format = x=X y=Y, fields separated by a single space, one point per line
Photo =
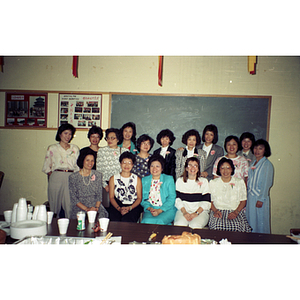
x=19 y=230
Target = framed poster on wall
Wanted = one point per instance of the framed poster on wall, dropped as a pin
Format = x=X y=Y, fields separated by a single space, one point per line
x=26 y=109
x=82 y=111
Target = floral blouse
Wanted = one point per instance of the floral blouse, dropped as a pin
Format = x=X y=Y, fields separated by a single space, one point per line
x=59 y=158
x=154 y=193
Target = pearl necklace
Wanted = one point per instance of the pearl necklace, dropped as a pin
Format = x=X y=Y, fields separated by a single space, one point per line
x=89 y=180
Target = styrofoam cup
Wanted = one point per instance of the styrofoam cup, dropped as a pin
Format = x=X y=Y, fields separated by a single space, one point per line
x=49 y=216
x=63 y=224
x=92 y=216
x=103 y=222
x=7 y=216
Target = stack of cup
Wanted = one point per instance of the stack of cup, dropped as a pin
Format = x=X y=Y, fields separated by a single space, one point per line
x=22 y=210
x=14 y=213
x=63 y=224
x=49 y=216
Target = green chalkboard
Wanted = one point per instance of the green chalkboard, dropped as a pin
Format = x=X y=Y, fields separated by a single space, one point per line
x=233 y=115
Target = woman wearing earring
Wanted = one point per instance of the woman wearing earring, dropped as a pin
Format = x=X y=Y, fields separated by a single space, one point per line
x=95 y=135
x=191 y=139
x=128 y=137
x=86 y=187
x=60 y=162
x=213 y=151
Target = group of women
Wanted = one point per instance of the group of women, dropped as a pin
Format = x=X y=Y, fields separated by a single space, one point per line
x=196 y=185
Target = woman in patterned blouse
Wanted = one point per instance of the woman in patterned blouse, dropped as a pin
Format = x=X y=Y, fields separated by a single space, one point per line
x=125 y=192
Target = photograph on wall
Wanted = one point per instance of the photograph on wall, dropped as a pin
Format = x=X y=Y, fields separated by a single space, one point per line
x=26 y=110
x=82 y=111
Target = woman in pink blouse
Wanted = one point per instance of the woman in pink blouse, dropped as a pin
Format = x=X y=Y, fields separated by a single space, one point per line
x=60 y=162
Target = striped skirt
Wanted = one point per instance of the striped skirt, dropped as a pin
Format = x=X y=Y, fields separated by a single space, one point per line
x=239 y=224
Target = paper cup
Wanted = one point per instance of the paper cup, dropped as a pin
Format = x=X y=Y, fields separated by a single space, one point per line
x=63 y=224
x=7 y=216
x=103 y=222
x=49 y=216
x=92 y=216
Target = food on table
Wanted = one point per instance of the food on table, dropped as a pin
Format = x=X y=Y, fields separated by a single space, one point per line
x=184 y=238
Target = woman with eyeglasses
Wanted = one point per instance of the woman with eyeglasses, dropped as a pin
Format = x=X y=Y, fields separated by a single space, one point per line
x=125 y=192
x=108 y=160
x=192 y=197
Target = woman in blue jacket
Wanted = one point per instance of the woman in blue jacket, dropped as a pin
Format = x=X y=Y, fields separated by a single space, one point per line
x=159 y=194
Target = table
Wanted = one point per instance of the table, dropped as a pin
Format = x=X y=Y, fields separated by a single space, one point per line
x=140 y=233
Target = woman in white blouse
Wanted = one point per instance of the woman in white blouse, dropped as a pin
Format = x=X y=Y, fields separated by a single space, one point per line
x=60 y=162
x=192 y=197
x=228 y=198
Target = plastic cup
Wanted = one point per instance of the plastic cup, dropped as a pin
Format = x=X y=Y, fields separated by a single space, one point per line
x=92 y=216
x=63 y=224
x=49 y=216
x=103 y=222
x=7 y=216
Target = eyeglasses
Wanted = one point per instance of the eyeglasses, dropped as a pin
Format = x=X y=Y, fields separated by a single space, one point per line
x=126 y=162
x=145 y=143
x=192 y=166
x=110 y=138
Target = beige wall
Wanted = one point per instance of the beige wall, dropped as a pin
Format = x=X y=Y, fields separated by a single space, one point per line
x=22 y=151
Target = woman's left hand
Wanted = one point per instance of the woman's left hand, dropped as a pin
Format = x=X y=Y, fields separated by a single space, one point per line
x=155 y=212
x=232 y=215
x=259 y=204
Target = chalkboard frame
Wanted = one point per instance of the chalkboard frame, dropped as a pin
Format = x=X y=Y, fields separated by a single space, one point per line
x=267 y=99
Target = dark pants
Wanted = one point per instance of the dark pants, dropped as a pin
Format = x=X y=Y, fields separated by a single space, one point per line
x=131 y=216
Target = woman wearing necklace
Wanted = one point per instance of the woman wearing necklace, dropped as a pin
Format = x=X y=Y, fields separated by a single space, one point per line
x=127 y=137
x=159 y=194
x=144 y=145
x=125 y=192
x=95 y=135
x=86 y=187
x=60 y=162
x=213 y=151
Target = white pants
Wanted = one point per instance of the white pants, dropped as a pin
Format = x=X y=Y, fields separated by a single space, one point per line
x=198 y=222
x=58 y=192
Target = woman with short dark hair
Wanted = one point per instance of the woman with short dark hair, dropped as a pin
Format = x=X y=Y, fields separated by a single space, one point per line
x=228 y=199
x=212 y=151
x=125 y=192
x=144 y=144
x=166 y=138
x=95 y=135
x=158 y=194
x=260 y=181
x=86 y=187
x=60 y=162
x=247 y=141
x=191 y=139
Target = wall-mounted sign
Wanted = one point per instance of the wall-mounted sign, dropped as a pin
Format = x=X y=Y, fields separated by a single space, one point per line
x=26 y=110
x=82 y=111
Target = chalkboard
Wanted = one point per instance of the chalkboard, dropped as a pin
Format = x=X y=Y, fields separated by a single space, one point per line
x=233 y=115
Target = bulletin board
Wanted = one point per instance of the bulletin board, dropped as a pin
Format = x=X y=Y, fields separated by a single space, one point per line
x=25 y=109
x=232 y=115
x=82 y=111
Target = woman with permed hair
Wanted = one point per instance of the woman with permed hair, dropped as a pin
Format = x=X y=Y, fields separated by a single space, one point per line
x=128 y=137
x=191 y=139
x=144 y=144
x=95 y=135
x=213 y=151
x=260 y=181
x=108 y=160
x=60 y=162
x=166 y=138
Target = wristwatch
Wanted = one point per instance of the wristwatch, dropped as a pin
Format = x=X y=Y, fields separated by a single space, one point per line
x=197 y=212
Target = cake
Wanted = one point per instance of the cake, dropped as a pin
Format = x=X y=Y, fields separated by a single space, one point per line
x=184 y=238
